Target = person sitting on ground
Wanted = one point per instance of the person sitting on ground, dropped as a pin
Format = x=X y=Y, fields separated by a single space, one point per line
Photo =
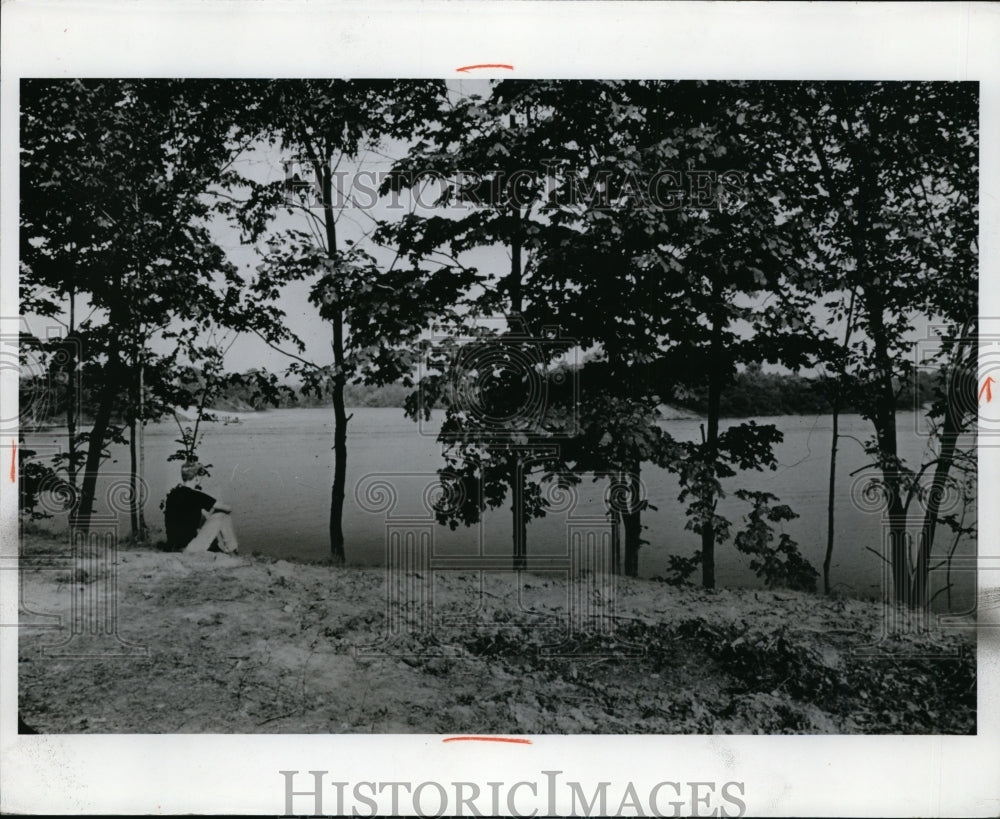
x=194 y=520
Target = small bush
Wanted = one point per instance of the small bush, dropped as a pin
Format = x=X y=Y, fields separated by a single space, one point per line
x=776 y=565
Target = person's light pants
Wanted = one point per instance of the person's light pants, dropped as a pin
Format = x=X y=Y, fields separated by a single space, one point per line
x=219 y=525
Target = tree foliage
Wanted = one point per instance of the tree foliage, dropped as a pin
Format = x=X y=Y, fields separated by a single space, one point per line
x=115 y=211
x=883 y=182
x=376 y=311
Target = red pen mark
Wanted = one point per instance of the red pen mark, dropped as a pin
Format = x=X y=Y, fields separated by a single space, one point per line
x=986 y=389
x=13 y=461
x=467 y=68
x=516 y=740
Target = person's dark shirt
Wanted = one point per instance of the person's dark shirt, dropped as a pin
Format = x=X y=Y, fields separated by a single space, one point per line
x=182 y=514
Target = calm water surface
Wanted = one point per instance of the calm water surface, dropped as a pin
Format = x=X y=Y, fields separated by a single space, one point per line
x=276 y=467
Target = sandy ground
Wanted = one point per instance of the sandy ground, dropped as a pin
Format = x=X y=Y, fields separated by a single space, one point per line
x=249 y=645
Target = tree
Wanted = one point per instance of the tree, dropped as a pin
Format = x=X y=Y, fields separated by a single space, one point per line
x=586 y=228
x=780 y=565
x=376 y=312
x=487 y=154
x=692 y=261
x=955 y=411
x=885 y=176
x=115 y=212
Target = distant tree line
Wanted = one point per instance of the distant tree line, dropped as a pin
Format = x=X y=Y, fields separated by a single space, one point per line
x=47 y=401
x=754 y=393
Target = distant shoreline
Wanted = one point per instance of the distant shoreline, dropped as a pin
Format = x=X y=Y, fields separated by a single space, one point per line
x=668 y=413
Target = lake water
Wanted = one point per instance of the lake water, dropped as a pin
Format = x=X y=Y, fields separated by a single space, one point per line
x=275 y=468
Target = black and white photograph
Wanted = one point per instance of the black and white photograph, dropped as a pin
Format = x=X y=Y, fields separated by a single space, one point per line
x=488 y=407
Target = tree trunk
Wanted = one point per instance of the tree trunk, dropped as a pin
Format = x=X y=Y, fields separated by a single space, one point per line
x=952 y=426
x=519 y=522
x=884 y=419
x=133 y=451
x=517 y=484
x=835 y=438
x=80 y=516
x=949 y=441
x=711 y=446
x=71 y=397
x=133 y=478
x=633 y=522
x=884 y=415
x=337 y=552
x=616 y=535
x=340 y=419
x=142 y=451
x=899 y=552
x=708 y=528
x=135 y=422
x=828 y=557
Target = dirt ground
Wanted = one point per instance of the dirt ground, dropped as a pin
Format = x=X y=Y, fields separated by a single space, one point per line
x=249 y=645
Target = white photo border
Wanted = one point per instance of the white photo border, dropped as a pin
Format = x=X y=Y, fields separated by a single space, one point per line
x=798 y=775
